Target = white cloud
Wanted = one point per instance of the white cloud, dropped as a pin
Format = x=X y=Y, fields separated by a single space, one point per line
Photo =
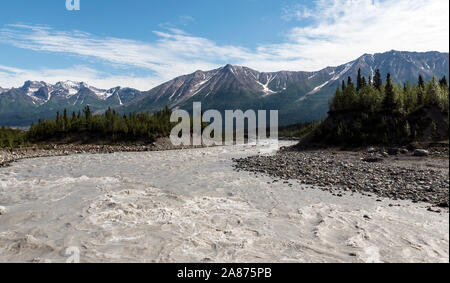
x=339 y=31
x=344 y=30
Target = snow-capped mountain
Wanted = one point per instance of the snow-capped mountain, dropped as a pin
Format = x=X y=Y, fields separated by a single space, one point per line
x=299 y=96
x=34 y=100
x=42 y=92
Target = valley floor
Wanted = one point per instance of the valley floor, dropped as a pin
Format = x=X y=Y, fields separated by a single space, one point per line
x=193 y=206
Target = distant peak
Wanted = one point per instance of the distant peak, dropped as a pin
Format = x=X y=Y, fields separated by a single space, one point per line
x=33 y=84
x=68 y=83
x=229 y=67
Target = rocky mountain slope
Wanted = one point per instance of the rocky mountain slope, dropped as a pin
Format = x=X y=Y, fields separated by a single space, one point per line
x=34 y=100
x=299 y=96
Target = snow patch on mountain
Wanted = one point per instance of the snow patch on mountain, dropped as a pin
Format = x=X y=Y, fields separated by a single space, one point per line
x=312 y=76
x=345 y=70
x=316 y=89
x=267 y=91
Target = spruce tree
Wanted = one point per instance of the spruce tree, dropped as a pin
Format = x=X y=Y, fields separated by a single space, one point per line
x=421 y=82
x=87 y=113
x=389 y=99
x=65 y=120
x=421 y=92
x=349 y=81
x=377 y=82
x=443 y=82
x=420 y=96
x=359 y=81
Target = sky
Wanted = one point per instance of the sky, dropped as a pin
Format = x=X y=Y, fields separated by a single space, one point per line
x=142 y=43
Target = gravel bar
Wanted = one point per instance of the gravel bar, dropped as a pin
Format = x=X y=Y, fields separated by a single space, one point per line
x=400 y=177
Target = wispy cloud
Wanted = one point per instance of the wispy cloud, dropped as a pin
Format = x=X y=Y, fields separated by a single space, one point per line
x=186 y=19
x=338 y=32
x=296 y=12
x=343 y=30
x=174 y=53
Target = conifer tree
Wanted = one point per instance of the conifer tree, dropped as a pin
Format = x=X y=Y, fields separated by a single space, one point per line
x=421 y=82
x=443 y=82
x=363 y=82
x=349 y=81
x=377 y=82
x=65 y=120
x=359 y=81
x=421 y=91
x=389 y=99
x=87 y=113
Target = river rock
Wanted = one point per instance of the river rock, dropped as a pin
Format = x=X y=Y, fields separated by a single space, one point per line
x=404 y=151
x=393 y=151
x=2 y=210
x=372 y=159
x=421 y=152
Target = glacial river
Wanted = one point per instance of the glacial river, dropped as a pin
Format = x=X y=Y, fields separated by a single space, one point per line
x=191 y=206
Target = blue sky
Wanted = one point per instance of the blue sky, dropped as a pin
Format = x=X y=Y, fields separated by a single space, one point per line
x=141 y=43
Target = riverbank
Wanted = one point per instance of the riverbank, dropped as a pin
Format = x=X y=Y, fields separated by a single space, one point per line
x=7 y=157
x=400 y=176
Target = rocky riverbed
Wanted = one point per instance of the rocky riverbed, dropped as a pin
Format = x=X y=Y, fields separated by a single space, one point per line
x=192 y=206
x=401 y=176
x=9 y=156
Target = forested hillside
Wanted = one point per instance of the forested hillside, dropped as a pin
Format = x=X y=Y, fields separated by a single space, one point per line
x=372 y=112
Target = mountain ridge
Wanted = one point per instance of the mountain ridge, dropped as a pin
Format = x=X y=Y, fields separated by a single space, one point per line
x=299 y=95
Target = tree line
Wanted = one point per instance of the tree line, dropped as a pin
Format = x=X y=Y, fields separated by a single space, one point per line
x=373 y=95
x=371 y=111
x=109 y=127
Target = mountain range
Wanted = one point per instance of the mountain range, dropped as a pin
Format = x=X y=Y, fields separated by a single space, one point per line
x=299 y=96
